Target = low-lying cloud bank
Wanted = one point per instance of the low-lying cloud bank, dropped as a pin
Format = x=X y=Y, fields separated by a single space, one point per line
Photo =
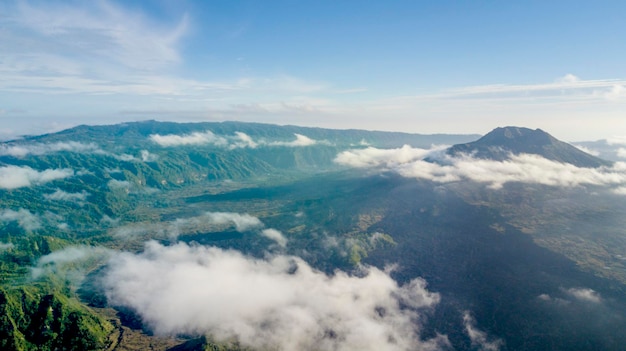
x=12 y=177
x=239 y=140
x=208 y=221
x=24 y=218
x=23 y=150
x=525 y=168
x=71 y=263
x=279 y=303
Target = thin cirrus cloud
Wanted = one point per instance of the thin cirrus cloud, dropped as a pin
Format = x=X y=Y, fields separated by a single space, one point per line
x=276 y=303
x=524 y=168
x=563 y=87
x=90 y=32
x=97 y=47
x=12 y=177
x=103 y=48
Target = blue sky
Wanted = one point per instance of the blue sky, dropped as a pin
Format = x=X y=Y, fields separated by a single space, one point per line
x=415 y=66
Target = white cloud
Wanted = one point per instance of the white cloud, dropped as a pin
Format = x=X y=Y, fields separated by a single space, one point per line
x=146 y=156
x=209 y=221
x=525 y=168
x=12 y=177
x=620 y=190
x=587 y=150
x=617 y=92
x=88 y=33
x=196 y=138
x=373 y=157
x=64 y=259
x=60 y=195
x=621 y=152
x=301 y=140
x=275 y=235
x=242 y=222
x=239 y=140
x=123 y=157
x=280 y=303
x=584 y=294
x=478 y=337
x=22 y=150
x=24 y=218
x=129 y=187
x=569 y=85
x=245 y=141
x=568 y=78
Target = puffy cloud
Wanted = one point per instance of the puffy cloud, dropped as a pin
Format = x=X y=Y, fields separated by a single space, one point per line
x=279 y=303
x=242 y=222
x=12 y=177
x=196 y=138
x=60 y=195
x=478 y=337
x=616 y=92
x=146 y=156
x=275 y=235
x=568 y=78
x=584 y=294
x=22 y=150
x=373 y=157
x=24 y=218
x=526 y=168
x=244 y=141
x=621 y=152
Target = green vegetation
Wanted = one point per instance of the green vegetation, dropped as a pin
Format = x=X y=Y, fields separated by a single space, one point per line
x=491 y=252
x=36 y=318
